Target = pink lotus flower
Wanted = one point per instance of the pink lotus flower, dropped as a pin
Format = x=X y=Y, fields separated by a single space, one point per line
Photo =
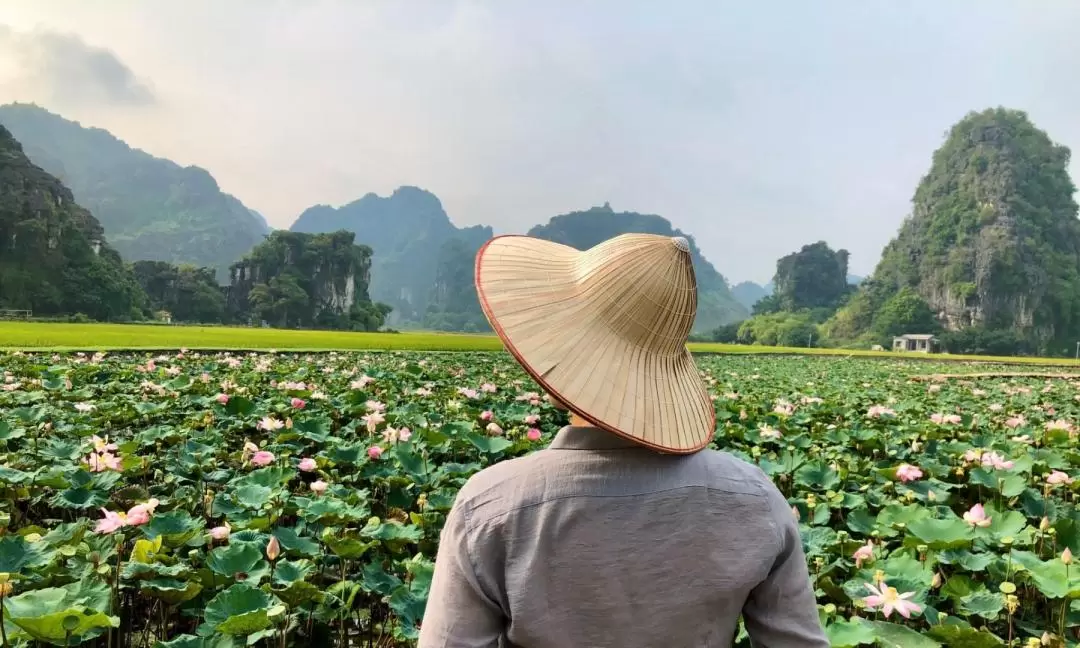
x=878 y=411
x=864 y=553
x=404 y=434
x=532 y=419
x=102 y=445
x=262 y=458
x=784 y=408
x=996 y=407
x=1059 y=424
x=362 y=382
x=140 y=513
x=100 y=462
x=223 y=399
x=1057 y=477
x=889 y=599
x=533 y=434
x=220 y=533
x=488 y=388
x=486 y=415
x=113 y=521
x=307 y=464
x=946 y=419
x=907 y=472
x=273 y=548
x=318 y=487
x=493 y=429
x=422 y=391
x=996 y=461
x=976 y=517
x=1014 y=422
x=375 y=406
x=372 y=421
x=374 y=452
x=468 y=393
x=298 y=403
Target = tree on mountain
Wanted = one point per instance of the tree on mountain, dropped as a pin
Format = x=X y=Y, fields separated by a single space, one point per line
x=813 y=277
x=188 y=293
x=993 y=241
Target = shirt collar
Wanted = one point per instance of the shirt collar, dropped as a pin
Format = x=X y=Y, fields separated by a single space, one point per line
x=588 y=438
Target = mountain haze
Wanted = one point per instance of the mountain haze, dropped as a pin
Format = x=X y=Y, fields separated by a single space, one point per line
x=150 y=208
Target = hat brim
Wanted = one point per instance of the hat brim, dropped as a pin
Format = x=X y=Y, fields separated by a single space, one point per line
x=530 y=293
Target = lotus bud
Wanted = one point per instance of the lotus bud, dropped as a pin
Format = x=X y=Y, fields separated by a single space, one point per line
x=273 y=549
x=936 y=582
x=1047 y=639
x=1044 y=524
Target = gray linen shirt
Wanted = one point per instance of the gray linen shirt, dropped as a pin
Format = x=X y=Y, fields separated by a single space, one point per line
x=596 y=541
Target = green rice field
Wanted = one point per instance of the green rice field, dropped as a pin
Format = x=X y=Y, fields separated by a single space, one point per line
x=111 y=337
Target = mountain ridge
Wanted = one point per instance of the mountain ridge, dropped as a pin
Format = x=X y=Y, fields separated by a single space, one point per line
x=150 y=207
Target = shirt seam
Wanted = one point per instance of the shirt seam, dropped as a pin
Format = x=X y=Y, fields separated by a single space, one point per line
x=559 y=498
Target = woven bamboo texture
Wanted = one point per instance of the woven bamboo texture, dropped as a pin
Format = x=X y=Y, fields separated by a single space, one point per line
x=604 y=330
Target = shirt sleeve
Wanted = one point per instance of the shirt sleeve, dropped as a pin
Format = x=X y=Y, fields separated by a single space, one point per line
x=781 y=611
x=458 y=614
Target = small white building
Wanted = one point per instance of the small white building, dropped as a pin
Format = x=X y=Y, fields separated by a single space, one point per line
x=917 y=343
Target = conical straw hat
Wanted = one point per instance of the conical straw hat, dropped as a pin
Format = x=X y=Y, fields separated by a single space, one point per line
x=604 y=331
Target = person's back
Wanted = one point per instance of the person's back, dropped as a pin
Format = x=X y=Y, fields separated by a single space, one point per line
x=599 y=542
x=625 y=532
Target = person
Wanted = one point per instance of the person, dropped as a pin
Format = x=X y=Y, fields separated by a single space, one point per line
x=625 y=531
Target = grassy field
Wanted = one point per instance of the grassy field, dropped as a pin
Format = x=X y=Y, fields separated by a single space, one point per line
x=105 y=337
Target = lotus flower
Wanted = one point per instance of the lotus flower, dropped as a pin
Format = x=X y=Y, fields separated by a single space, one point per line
x=262 y=458
x=996 y=461
x=220 y=533
x=270 y=424
x=273 y=548
x=404 y=434
x=533 y=434
x=307 y=464
x=84 y=407
x=769 y=432
x=374 y=452
x=298 y=403
x=864 y=553
x=375 y=406
x=223 y=399
x=878 y=411
x=372 y=421
x=486 y=415
x=907 y=473
x=1014 y=422
x=113 y=521
x=1057 y=477
x=493 y=429
x=318 y=487
x=488 y=388
x=976 y=517
x=888 y=599
x=532 y=419
x=784 y=408
x=1059 y=424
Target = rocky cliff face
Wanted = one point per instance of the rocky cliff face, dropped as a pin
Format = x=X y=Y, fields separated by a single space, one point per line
x=297 y=279
x=405 y=231
x=993 y=241
x=53 y=255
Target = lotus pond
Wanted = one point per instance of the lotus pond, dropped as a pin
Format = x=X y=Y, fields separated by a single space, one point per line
x=218 y=500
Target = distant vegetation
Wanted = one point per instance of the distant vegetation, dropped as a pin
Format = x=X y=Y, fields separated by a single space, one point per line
x=988 y=260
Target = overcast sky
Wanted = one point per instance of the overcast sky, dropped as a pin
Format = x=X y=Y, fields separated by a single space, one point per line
x=755 y=126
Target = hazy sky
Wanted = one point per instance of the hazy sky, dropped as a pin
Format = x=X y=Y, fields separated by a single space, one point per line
x=755 y=126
